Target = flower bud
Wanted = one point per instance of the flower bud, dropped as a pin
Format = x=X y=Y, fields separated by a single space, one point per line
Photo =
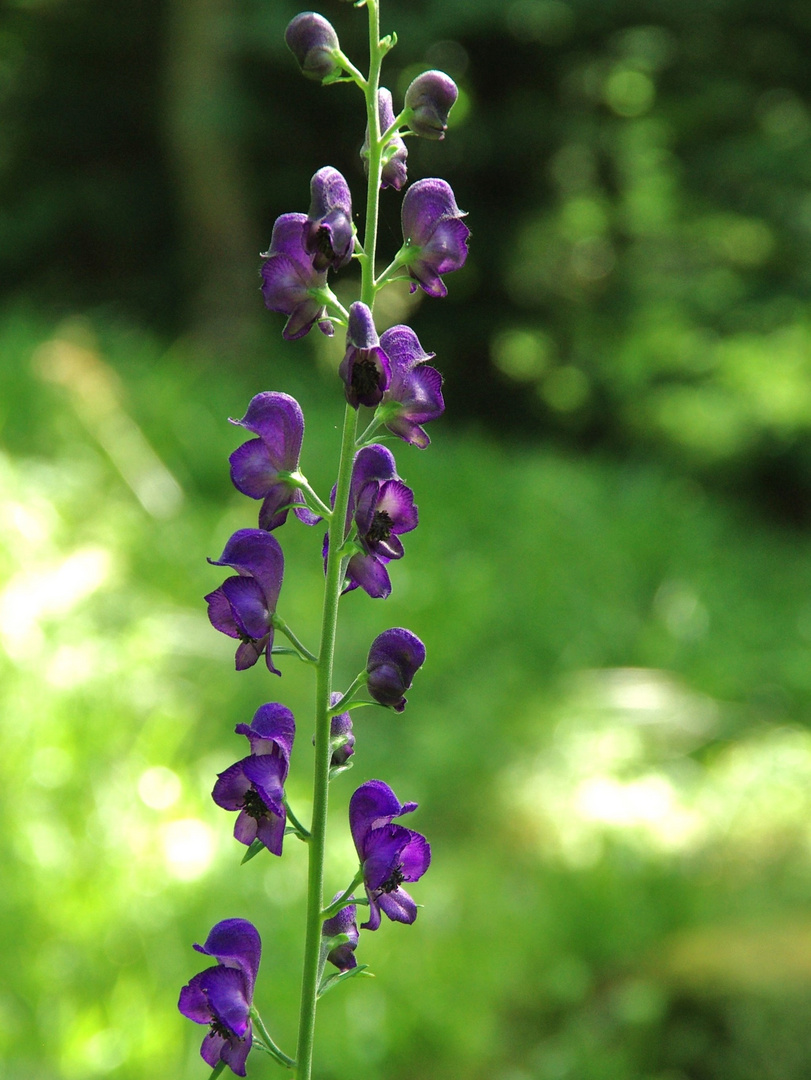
x=329 y=237
x=395 y=152
x=365 y=368
x=313 y=42
x=393 y=660
x=345 y=922
x=340 y=727
x=429 y=99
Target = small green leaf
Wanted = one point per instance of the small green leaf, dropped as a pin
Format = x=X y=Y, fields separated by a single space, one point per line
x=328 y=944
x=341 y=977
x=336 y=770
x=252 y=851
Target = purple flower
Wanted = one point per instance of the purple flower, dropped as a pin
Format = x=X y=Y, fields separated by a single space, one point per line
x=290 y=281
x=382 y=507
x=314 y=43
x=394 y=173
x=329 y=237
x=414 y=395
x=394 y=658
x=221 y=996
x=434 y=234
x=255 y=785
x=243 y=606
x=389 y=854
x=345 y=922
x=341 y=728
x=256 y=465
x=365 y=368
x=429 y=99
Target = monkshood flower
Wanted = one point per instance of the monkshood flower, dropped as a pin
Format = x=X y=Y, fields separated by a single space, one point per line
x=290 y=281
x=394 y=173
x=394 y=658
x=434 y=234
x=389 y=854
x=314 y=43
x=255 y=785
x=345 y=922
x=340 y=727
x=243 y=606
x=381 y=507
x=259 y=467
x=365 y=368
x=221 y=996
x=414 y=395
x=329 y=238
x=429 y=99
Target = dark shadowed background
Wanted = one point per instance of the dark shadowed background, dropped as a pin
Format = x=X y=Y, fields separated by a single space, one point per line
x=612 y=574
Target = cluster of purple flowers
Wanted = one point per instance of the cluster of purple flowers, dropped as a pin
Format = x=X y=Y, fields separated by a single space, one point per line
x=389 y=373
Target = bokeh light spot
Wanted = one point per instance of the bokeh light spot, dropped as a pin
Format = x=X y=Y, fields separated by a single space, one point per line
x=188 y=848
x=159 y=788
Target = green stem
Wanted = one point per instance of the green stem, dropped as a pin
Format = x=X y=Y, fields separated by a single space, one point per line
x=317 y=845
x=343 y=899
x=303 y=484
x=302 y=650
x=336 y=561
x=270 y=1045
x=341 y=704
x=396 y=263
x=346 y=63
x=294 y=821
x=367 y=291
x=369 y=432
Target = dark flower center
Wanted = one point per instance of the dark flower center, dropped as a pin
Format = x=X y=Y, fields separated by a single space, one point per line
x=394 y=880
x=323 y=243
x=218 y=1028
x=253 y=804
x=381 y=527
x=365 y=375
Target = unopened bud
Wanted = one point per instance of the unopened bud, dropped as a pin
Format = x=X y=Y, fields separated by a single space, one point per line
x=429 y=99
x=313 y=42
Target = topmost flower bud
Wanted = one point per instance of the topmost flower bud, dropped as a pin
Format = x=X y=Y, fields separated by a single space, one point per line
x=428 y=100
x=314 y=43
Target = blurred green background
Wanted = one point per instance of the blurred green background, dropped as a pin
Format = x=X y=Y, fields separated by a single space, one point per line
x=610 y=740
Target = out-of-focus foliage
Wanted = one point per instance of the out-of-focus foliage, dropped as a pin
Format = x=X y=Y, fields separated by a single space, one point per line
x=637 y=175
x=610 y=738
x=606 y=743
